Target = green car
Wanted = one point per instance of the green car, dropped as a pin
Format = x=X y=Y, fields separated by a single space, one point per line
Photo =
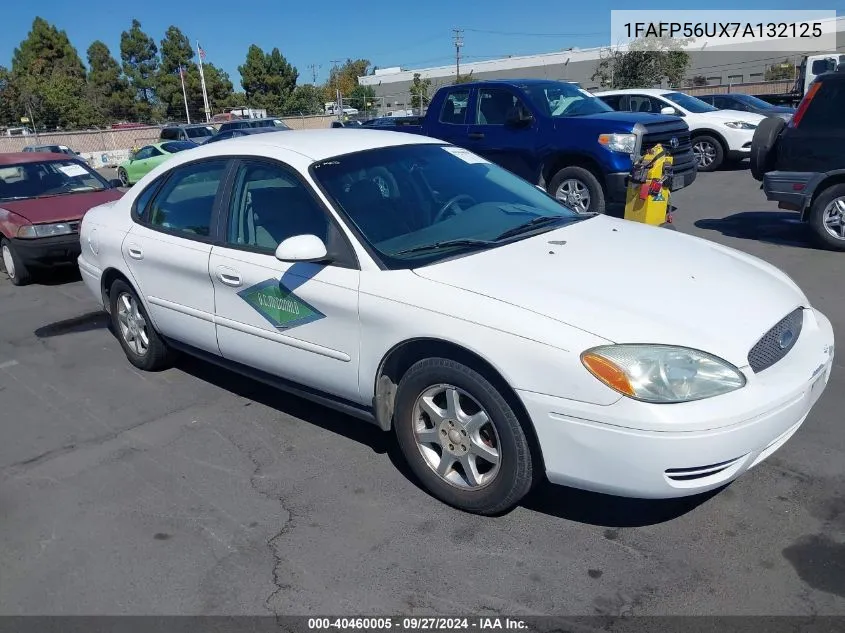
x=147 y=158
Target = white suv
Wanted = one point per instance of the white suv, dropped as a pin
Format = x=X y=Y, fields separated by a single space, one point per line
x=716 y=134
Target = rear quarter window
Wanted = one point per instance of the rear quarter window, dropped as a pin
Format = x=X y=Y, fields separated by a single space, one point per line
x=826 y=109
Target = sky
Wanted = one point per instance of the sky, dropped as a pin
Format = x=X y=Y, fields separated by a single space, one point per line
x=407 y=33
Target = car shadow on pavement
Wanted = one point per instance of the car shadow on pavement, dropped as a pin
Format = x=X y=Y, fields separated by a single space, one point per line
x=784 y=228
x=97 y=320
x=57 y=276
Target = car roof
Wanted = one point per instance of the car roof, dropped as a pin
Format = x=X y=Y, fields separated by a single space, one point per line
x=315 y=145
x=185 y=125
x=16 y=158
x=636 y=91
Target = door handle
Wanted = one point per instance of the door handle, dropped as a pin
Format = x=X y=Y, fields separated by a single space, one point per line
x=229 y=276
x=135 y=251
x=476 y=135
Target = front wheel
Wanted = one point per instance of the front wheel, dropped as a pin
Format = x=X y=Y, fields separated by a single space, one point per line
x=461 y=438
x=827 y=218
x=578 y=189
x=123 y=176
x=15 y=268
x=708 y=152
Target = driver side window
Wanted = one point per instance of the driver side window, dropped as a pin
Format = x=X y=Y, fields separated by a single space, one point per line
x=494 y=106
x=144 y=152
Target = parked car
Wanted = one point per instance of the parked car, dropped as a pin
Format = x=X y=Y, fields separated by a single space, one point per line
x=249 y=131
x=55 y=149
x=717 y=135
x=556 y=135
x=240 y=124
x=147 y=158
x=350 y=123
x=416 y=285
x=747 y=103
x=42 y=200
x=802 y=163
x=392 y=122
x=196 y=133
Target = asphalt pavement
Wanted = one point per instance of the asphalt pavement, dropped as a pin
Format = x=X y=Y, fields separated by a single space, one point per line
x=195 y=491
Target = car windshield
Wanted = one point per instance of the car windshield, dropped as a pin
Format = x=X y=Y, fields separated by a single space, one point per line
x=754 y=102
x=561 y=99
x=688 y=103
x=48 y=178
x=177 y=146
x=198 y=132
x=416 y=204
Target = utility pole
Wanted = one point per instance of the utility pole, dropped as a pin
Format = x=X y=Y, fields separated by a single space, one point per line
x=337 y=106
x=314 y=68
x=459 y=42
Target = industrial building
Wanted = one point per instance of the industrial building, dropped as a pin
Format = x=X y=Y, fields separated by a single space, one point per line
x=708 y=66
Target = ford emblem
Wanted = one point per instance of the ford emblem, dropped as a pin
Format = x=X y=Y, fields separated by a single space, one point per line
x=674 y=142
x=785 y=339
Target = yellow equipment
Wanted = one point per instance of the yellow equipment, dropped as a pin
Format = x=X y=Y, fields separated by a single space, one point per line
x=647 y=199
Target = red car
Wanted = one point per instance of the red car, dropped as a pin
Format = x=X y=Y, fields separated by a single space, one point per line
x=42 y=200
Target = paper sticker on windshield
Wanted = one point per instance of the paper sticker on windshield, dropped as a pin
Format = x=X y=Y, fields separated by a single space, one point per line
x=466 y=155
x=279 y=305
x=73 y=170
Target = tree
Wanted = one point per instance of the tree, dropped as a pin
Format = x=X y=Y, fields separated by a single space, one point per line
x=139 y=54
x=8 y=98
x=49 y=78
x=176 y=54
x=648 y=61
x=345 y=78
x=305 y=99
x=175 y=50
x=108 y=90
x=462 y=79
x=361 y=97
x=268 y=79
x=699 y=80
x=419 y=91
x=779 y=72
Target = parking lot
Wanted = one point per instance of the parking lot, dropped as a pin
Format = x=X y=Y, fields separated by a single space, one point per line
x=197 y=491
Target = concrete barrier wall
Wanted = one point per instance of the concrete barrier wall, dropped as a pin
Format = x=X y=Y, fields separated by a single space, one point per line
x=103 y=148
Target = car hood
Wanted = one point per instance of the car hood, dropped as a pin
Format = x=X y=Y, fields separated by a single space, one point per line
x=632 y=283
x=723 y=116
x=60 y=208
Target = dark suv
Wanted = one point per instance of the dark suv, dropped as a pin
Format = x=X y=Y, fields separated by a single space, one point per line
x=237 y=124
x=196 y=133
x=802 y=163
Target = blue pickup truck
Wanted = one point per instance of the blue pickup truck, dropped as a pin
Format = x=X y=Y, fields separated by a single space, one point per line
x=556 y=135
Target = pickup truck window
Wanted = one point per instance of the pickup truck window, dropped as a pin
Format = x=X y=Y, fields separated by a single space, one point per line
x=494 y=105
x=406 y=201
x=561 y=99
x=455 y=107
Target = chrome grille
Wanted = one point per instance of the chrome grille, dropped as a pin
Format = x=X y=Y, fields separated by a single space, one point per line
x=777 y=342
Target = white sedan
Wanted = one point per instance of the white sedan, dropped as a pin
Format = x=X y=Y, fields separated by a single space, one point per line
x=502 y=336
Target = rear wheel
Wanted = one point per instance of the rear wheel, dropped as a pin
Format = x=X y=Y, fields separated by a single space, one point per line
x=123 y=176
x=17 y=271
x=708 y=152
x=140 y=342
x=827 y=217
x=763 y=145
x=578 y=189
x=461 y=438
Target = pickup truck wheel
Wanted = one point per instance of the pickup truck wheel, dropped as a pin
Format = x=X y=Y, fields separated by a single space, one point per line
x=17 y=271
x=140 y=342
x=827 y=218
x=763 y=145
x=708 y=152
x=124 y=177
x=461 y=438
x=578 y=189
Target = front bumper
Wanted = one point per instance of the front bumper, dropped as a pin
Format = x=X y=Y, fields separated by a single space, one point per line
x=47 y=251
x=620 y=449
x=793 y=189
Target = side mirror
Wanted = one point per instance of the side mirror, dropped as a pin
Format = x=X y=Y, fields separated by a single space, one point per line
x=115 y=182
x=519 y=117
x=668 y=110
x=302 y=248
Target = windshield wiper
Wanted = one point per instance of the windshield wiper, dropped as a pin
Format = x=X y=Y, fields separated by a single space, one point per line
x=537 y=222
x=446 y=244
x=68 y=192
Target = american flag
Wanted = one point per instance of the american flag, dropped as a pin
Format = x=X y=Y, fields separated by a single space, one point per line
x=202 y=51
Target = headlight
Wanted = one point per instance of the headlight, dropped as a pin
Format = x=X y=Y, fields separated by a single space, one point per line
x=741 y=125
x=662 y=373
x=625 y=143
x=44 y=230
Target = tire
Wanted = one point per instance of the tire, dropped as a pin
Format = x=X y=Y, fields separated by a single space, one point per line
x=155 y=355
x=578 y=177
x=18 y=272
x=501 y=485
x=699 y=143
x=124 y=177
x=830 y=201
x=763 y=146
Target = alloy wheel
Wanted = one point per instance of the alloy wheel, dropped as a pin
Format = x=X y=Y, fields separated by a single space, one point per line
x=574 y=194
x=133 y=326
x=705 y=153
x=124 y=178
x=456 y=437
x=833 y=218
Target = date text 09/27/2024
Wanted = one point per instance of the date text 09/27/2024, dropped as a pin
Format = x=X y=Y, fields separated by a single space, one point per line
x=730 y=30
x=416 y=623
